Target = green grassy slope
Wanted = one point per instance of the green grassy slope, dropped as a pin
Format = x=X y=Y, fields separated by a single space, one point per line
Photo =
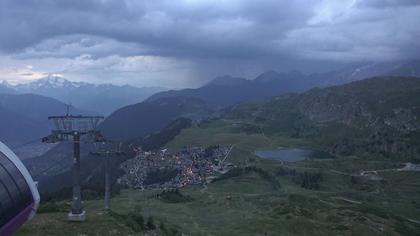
x=249 y=205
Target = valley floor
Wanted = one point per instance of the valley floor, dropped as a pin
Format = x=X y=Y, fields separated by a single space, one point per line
x=272 y=198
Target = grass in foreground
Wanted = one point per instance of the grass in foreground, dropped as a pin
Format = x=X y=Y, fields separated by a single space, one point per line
x=246 y=205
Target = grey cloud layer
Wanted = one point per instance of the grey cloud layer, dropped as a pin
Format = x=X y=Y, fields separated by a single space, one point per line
x=202 y=31
x=388 y=3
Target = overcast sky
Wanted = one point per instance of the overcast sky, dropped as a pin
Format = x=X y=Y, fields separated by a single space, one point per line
x=184 y=43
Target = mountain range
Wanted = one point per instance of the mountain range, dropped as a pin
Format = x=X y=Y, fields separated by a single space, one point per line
x=24 y=116
x=160 y=109
x=147 y=117
x=99 y=98
x=5 y=87
x=229 y=90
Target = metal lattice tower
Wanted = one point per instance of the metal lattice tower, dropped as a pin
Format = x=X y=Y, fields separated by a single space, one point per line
x=107 y=149
x=74 y=127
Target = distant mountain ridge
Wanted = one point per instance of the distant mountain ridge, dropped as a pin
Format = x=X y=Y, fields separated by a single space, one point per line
x=227 y=80
x=50 y=82
x=227 y=90
x=101 y=98
x=7 y=88
x=24 y=116
x=160 y=109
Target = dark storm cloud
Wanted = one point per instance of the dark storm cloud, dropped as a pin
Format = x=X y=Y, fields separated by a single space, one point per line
x=24 y=23
x=203 y=37
x=184 y=28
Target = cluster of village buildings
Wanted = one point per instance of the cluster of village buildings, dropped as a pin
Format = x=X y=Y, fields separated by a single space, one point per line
x=163 y=169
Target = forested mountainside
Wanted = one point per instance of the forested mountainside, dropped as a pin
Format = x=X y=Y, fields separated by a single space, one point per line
x=148 y=117
x=377 y=115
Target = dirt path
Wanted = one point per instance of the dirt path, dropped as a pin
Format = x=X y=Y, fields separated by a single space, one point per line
x=414 y=221
x=263 y=134
x=339 y=172
x=227 y=154
x=347 y=200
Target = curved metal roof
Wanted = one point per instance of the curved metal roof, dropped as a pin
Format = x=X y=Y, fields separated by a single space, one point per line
x=18 y=163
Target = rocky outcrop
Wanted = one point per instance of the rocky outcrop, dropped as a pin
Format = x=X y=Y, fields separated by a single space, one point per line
x=383 y=122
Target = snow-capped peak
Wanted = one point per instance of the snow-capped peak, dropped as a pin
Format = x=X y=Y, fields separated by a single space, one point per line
x=52 y=82
x=6 y=84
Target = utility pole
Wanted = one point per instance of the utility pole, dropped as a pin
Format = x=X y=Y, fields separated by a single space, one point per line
x=106 y=149
x=107 y=199
x=68 y=106
x=67 y=127
x=76 y=204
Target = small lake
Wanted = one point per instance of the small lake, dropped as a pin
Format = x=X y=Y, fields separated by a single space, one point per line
x=285 y=154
